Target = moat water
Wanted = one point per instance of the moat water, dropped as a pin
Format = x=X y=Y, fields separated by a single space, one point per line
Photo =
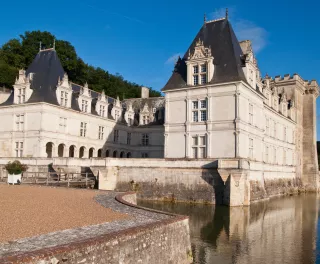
x=281 y=230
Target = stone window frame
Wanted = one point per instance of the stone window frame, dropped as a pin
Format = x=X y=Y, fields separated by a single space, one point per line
x=251 y=148
x=145 y=119
x=199 y=146
x=19 y=122
x=19 y=149
x=102 y=110
x=251 y=114
x=83 y=129
x=21 y=95
x=198 y=112
x=101 y=133
x=116 y=114
x=129 y=137
x=84 y=105
x=116 y=136
x=62 y=123
x=64 y=98
x=145 y=139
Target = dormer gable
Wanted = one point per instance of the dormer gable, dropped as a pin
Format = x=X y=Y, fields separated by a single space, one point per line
x=64 y=91
x=102 y=105
x=129 y=115
x=116 y=110
x=145 y=115
x=267 y=91
x=200 y=66
x=85 y=99
x=22 y=90
x=292 y=110
x=275 y=99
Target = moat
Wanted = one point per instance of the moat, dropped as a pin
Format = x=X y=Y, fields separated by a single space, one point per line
x=281 y=230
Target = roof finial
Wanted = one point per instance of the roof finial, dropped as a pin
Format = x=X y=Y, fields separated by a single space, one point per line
x=54 y=43
x=205 y=18
x=227 y=13
x=40 y=46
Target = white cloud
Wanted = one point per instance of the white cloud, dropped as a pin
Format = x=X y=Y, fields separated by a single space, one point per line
x=244 y=29
x=173 y=58
x=247 y=30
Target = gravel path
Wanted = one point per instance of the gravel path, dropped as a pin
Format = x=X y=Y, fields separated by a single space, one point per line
x=33 y=210
x=137 y=217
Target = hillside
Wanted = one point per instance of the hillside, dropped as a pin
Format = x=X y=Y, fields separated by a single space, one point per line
x=18 y=54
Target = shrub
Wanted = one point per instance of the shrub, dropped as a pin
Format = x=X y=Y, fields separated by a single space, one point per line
x=16 y=167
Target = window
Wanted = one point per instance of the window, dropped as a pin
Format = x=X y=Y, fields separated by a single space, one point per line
x=19 y=122
x=116 y=136
x=267 y=126
x=202 y=111
x=199 y=147
x=145 y=120
x=130 y=120
x=128 y=138
x=101 y=110
x=144 y=155
x=284 y=133
x=116 y=115
x=202 y=75
x=101 y=132
x=83 y=129
x=62 y=124
x=267 y=154
x=84 y=106
x=251 y=114
x=145 y=140
x=21 y=95
x=19 y=149
x=64 y=98
x=195 y=79
x=250 y=148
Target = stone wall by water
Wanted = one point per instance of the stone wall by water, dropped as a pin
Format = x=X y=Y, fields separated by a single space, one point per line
x=164 y=241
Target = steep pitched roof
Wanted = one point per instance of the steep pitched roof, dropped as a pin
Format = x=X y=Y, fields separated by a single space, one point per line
x=47 y=69
x=225 y=49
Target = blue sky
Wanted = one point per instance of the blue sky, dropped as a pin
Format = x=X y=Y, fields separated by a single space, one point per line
x=140 y=39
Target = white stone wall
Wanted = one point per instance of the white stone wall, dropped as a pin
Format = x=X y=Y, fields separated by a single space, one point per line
x=42 y=124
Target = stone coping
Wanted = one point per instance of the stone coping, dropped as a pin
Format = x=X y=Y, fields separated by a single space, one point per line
x=34 y=249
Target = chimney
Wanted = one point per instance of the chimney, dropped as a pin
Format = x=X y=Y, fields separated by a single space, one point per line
x=144 y=92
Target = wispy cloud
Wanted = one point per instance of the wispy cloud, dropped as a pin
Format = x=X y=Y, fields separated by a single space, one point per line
x=133 y=19
x=173 y=58
x=244 y=29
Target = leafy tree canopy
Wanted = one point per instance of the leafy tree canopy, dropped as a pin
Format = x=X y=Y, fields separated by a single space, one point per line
x=19 y=53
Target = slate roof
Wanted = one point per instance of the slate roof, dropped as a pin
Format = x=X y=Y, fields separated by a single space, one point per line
x=225 y=49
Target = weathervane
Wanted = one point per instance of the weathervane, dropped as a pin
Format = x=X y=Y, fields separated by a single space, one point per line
x=227 y=13
x=205 y=18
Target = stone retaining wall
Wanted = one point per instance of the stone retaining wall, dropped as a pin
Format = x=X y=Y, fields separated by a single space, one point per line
x=165 y=241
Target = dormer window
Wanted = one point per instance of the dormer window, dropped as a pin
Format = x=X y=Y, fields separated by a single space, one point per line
x=116 y=115
x=21 y=95
x=64 y=98
x=145 y=120
x=101 y=110
x=84 y=106
x=200 y=66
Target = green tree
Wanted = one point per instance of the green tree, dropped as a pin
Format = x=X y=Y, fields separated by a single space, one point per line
x=19 y=53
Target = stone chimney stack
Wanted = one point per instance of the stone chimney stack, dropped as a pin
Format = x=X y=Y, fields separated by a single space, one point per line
x=144 y=92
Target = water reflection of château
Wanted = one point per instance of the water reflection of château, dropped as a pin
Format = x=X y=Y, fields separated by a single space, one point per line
x=282 y=230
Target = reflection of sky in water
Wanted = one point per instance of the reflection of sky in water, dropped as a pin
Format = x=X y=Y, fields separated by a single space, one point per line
x=282 y=230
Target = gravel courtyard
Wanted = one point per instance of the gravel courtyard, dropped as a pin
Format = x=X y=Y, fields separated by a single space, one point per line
x=27 y=211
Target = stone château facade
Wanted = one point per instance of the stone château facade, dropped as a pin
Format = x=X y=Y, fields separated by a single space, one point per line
x=216 y=107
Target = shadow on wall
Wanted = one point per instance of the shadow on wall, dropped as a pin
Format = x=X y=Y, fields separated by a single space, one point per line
x=211 y=176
